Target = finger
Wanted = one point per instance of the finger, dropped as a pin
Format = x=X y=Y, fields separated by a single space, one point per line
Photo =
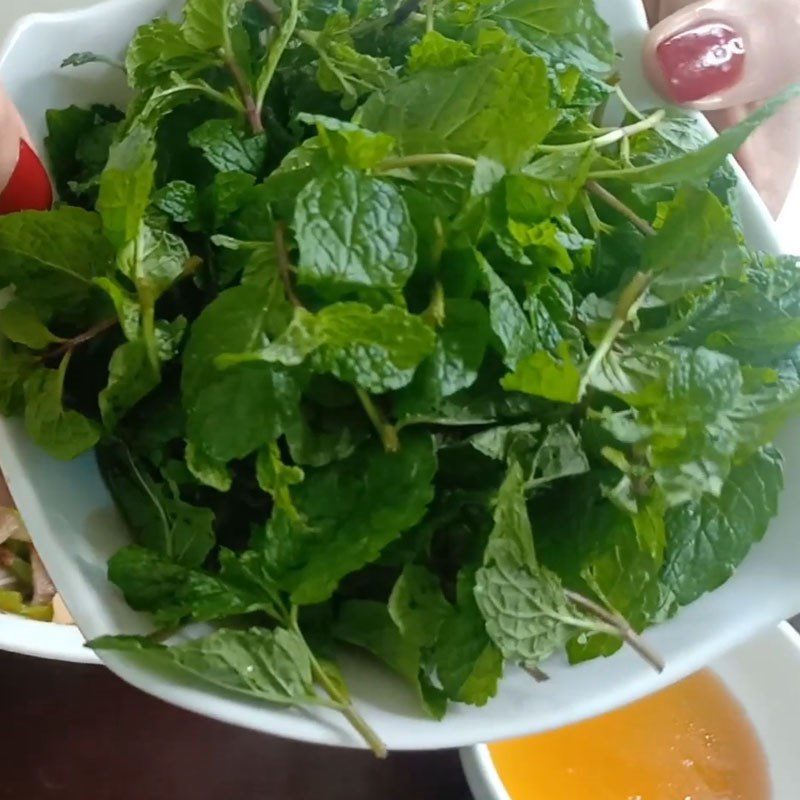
x=715 y=54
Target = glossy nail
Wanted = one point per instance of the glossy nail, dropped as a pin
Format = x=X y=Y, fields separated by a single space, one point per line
x=701 y=61
x=29 y=187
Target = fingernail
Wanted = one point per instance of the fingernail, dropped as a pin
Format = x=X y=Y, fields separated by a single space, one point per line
x=29 y=188
x=701 y=61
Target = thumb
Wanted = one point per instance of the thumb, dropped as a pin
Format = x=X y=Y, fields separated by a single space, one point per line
x=715 y=54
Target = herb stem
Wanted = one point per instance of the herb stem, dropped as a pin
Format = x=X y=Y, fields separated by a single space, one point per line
x=606 y=139
x=284 y=264
x=250 y=107
x=342 y=704
x=426 y=160
x=626 y=307
x=626 y=103
x=621 y=625
x=429 y=18
x=276 y=51
x=387 y=431
x=614 y=202
x=82 y=338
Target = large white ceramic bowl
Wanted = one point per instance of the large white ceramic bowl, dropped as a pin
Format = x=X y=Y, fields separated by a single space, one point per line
x=71 y=516
x=761 y=675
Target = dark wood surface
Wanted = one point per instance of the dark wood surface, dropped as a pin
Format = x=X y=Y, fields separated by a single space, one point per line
x=74 y=732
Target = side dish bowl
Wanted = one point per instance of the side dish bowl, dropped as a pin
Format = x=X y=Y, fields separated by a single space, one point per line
x=756 y=675
x=76 y=528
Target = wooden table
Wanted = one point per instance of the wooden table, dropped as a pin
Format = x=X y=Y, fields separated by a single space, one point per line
x=78 y=733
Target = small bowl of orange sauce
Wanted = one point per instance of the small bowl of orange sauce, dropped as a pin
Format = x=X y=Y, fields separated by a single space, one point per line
x=726 y=733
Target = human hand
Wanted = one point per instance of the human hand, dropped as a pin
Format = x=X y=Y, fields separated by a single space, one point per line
x=24 y=183
x=724 y=57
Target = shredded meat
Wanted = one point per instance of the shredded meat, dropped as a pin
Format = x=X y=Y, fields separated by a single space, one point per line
x=43 y=589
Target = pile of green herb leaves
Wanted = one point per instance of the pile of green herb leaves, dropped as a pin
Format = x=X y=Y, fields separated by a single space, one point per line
x=383 y=338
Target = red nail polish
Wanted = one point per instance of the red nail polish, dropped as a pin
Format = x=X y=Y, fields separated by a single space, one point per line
x=29 y=187
x=701 y=61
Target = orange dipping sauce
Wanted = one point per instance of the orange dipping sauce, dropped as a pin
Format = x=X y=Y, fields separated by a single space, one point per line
x=690 y=742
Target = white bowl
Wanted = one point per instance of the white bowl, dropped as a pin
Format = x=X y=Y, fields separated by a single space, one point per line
x=71 y=516
x=44 y=640
x=760 y=674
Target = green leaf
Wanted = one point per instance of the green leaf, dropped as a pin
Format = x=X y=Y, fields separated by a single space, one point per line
x=561 y=31
x=63 y=434
x=708 y=539
x=209 y=472
x=274 y=666
x=435 y=51
x=175 y=593
x=351 y=510
x=84 y=58
x=51 y=258
x=527 y=613
x=465 y=110
x=554 y=377
x=507 y=318
x=20 y=323
x=15 y=368
x=455 y=362
x=159 y=49
x=417 y=606
x=178 y=200
x=468 y=664
x=699 y=164
x=277 y=478
x=126 y=185
x=132 y=376
x=377 y=351
x=207 y=24
x=348 y=143
x=153 y=260
x=696 y=243
x=354 y=230
x=228 y=149
x=368 y=625
x=156 y=515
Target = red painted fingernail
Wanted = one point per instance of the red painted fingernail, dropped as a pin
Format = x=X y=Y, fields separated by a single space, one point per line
x=701 y=61
x=29 y=188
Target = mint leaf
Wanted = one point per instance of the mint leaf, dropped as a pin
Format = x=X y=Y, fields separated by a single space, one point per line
x=351 y=510
x=179 y=201
x=700 y=228
x=368 y=625
x=435 y=51
x=174 y=593
x=708 y=539
x=417 y=606
x=554 y=377
x=207 y=24
x=154 y=511
x=209 y=472
x=62 y=433
x=51 y=258
x=468 y=664
x=463 y=110
x=126 y=185
x=276 y=478
x=348 y=143
x=508 y=321
x=132 y=376
x=273 y=666
x=227 y=148
x=353 y=230
x=377 y=351
x=159 y=49
x=20 y=323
